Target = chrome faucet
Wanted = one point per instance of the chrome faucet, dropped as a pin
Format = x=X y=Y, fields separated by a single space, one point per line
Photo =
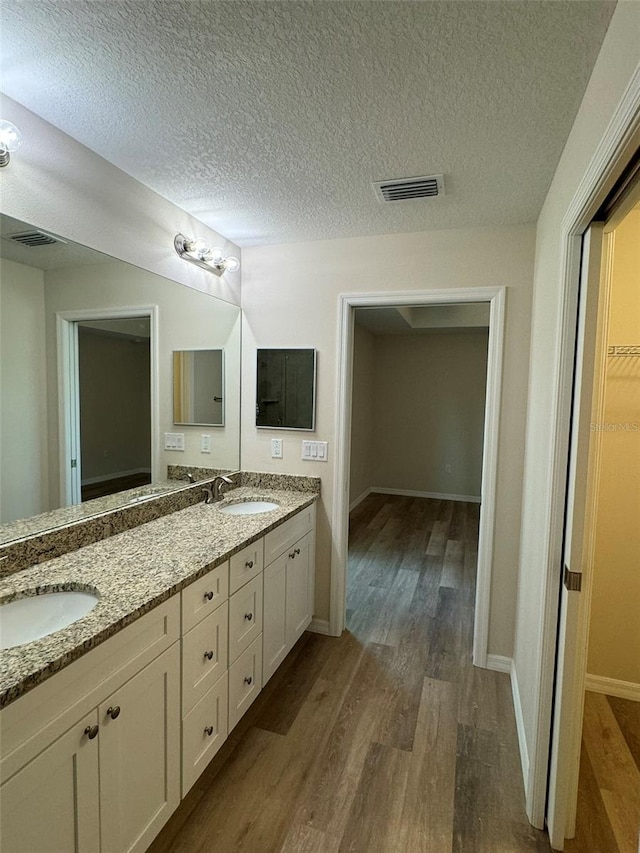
x=214 y=491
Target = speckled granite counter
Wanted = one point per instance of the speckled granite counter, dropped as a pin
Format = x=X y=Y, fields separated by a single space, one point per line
x=133 y=572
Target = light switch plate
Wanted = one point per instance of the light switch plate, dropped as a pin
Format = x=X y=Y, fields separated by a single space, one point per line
x=174 y=441
x=315 y=451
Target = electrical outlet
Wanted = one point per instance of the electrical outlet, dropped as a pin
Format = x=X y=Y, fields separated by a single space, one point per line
x=205 y=444
x=276 y=448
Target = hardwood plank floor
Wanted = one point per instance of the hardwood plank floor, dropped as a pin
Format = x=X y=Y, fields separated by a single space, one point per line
x=608 y=819
x=387 y=739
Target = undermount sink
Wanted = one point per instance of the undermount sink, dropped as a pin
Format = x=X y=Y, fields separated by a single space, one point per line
x=34 y=616
x=248 y=507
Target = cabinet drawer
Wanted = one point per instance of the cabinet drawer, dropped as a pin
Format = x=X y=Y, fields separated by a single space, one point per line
x=204 y=595
x=245 y=617
x=246 y=564
x=204 y=730
x=277 y=541
x=204 y=655
x=245 y=681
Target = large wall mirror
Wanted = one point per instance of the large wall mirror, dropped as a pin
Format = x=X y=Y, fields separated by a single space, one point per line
x=286 y=388
x=86 y=350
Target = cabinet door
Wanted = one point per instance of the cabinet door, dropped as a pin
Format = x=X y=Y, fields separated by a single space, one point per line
x=299 y=588
x=204 y=656
x=140 y=755
x=274 y=626
x=245 y=681
x=245 y=617
x=204 y=730
x=52 y=803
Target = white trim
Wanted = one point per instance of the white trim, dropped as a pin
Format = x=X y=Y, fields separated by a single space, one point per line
x=319 y=626
x=496 y=297
x=438 y=496
x=522 y=736
x=359 y=499
x=613 y=687
x=64 y=321
x=617 y=146
x=499 y=663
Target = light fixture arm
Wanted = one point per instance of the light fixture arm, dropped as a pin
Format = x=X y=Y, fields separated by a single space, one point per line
x=198 y=253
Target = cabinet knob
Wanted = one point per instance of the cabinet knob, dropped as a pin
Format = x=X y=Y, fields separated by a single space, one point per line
x=297 y=550
x=91 y=731
x=113 y=712
x=248 y=616
x=209 y=655
x=208 y=730
x=248 y=680
x=208 y=595
x=249 y=564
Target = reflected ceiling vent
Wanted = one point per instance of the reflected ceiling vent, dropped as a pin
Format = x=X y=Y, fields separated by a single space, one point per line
x=33 y=239
x=409 y=189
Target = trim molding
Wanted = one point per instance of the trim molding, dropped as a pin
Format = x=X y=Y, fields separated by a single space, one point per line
x=359 y=499
x=522 y=736
x=320 y=626
x=499 y=663
x=410 y=493
x=613 y=687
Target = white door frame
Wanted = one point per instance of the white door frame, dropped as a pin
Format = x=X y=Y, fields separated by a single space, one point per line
x=496 y=297
x=68 y=411
x=614 y=152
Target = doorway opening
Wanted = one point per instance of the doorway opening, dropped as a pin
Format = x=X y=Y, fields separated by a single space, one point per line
x=414 y=308
x=108 y=376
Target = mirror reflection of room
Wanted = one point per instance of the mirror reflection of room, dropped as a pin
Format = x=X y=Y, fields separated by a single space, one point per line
x=198 y=382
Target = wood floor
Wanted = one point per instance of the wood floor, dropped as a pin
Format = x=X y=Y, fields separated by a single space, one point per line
x=387 y=739
x=609 y=785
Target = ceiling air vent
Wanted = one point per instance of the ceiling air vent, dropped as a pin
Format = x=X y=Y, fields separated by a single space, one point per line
x=33 y=239
x=408 y=189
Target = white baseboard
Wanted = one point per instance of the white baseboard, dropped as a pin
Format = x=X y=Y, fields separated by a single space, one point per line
x=319 y=626
x=439 y=496
x=359 y=500
x=522 y=740
x=499 y=663
x=613 y=687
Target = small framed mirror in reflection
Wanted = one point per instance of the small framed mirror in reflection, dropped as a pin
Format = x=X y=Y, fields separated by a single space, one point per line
x=286 y=389
x=198 y=387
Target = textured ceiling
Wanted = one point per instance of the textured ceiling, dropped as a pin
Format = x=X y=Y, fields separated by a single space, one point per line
x=269 y=120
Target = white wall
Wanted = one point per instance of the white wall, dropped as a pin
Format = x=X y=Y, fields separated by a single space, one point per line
x=290 y=299
x=429 y=403
x=614 y=69
x=614 y=629
x=23 y=402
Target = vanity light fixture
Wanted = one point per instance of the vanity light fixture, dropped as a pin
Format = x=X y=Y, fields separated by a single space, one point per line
x=197 y=252
x=10 y=141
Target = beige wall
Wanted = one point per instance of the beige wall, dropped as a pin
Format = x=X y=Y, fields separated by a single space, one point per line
x=362 y=414
x=23 y=405
x=429 y=412
x=187 y=319
x=290 y=298
x=614 y=69
x=614 y=632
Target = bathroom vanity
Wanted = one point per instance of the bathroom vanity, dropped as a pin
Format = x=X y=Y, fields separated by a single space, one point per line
x=106 y=724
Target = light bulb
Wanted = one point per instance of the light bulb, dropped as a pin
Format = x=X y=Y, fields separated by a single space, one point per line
x=10 y=140
x=216 y=255
x=197 y=247
x=232 y=264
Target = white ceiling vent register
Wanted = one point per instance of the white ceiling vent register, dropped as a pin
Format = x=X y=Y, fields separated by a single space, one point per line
x=33 y=239
x=409 y=189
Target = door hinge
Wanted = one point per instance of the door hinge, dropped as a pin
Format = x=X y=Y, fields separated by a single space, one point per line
x=572 y=580
x=74 y=463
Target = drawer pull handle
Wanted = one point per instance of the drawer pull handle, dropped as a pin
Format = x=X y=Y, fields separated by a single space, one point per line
x=248 y=616
x=249 y=564
x=248 y=680
x=91 y=731
x=208 y=595
x=209 y=655
x=113 y=712
x=208 y=730
x=295 y=551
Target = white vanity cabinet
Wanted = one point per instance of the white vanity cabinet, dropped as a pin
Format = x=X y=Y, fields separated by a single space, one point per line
x=288 y=587
x=94 y=750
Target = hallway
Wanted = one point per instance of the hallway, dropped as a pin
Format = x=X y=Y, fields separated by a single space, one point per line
x=385 y=740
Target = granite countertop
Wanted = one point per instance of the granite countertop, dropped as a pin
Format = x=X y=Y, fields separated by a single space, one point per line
x=133 y=572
